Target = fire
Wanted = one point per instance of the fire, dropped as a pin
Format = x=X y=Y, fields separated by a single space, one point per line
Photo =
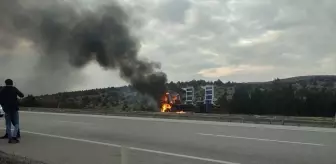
x=168 y=100
x=165 y=107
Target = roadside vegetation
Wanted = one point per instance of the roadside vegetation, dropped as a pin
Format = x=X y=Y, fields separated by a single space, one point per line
x=312 y=96
x=13 y=159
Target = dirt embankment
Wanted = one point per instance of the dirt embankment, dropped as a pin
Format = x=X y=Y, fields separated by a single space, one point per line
x=13 y=159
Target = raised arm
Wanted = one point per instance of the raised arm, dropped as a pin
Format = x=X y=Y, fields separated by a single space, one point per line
x=19 y=93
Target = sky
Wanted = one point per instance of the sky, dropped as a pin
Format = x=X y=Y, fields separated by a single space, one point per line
x=231 y=40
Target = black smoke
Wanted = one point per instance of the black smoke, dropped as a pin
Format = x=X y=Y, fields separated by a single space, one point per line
x=69 y=37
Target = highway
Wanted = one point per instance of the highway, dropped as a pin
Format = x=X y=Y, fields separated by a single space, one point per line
x=86 y=139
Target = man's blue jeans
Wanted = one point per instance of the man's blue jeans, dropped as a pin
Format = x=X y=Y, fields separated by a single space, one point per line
x=12 y=117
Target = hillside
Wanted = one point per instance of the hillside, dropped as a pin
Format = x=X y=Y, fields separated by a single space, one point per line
x=311 y=78
x=126 y=98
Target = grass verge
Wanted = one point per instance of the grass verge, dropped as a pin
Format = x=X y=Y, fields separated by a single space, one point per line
x=14 y=159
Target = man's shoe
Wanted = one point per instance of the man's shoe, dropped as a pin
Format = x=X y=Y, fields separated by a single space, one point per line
x=4 y=137
x=13 y=141
x=18 y=134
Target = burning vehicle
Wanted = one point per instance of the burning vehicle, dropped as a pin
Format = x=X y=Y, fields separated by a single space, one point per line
x=171 y=102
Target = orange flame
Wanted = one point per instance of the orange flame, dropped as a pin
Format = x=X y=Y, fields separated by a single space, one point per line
x=165 y=107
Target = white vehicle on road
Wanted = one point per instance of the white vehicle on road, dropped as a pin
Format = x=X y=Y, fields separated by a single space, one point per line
x=2 y=113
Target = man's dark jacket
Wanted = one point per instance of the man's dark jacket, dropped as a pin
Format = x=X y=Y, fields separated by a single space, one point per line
x=9 y=98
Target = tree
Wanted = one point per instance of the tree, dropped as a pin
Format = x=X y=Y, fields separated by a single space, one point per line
x=224 y=104
x=241 y=101
x=125 y=107
x=85 y=101
x=275 y=98
x=257 y=101
x=29 y=101
x=218 y=82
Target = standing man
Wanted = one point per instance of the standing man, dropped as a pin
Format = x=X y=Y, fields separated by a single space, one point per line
x=9 y=102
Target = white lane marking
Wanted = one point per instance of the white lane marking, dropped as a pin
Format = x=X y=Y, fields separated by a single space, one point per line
x=261 y=139
x=131 y=148
x=183 y=156
x=230 y=124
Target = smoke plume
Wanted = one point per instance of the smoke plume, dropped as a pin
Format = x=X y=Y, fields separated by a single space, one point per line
x=68 y=38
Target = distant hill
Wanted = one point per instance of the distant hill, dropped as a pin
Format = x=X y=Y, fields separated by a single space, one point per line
x=126 y=97
x=310 y=78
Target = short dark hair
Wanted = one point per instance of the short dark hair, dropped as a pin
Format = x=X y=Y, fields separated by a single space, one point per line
x=9 y=82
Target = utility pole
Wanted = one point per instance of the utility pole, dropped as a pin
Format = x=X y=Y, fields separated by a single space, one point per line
x=124 y=155
x=59 y=100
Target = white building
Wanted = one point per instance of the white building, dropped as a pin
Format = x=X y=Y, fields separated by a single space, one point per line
x=190 y=95
x=209 y=93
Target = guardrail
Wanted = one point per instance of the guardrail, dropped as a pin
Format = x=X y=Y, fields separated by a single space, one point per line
x=274 y=120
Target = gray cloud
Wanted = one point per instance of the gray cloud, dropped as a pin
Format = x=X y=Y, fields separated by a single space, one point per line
x=192 y=36
x=173 y=10
x=294 y=38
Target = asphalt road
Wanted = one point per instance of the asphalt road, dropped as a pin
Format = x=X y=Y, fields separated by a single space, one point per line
x=87 y=139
